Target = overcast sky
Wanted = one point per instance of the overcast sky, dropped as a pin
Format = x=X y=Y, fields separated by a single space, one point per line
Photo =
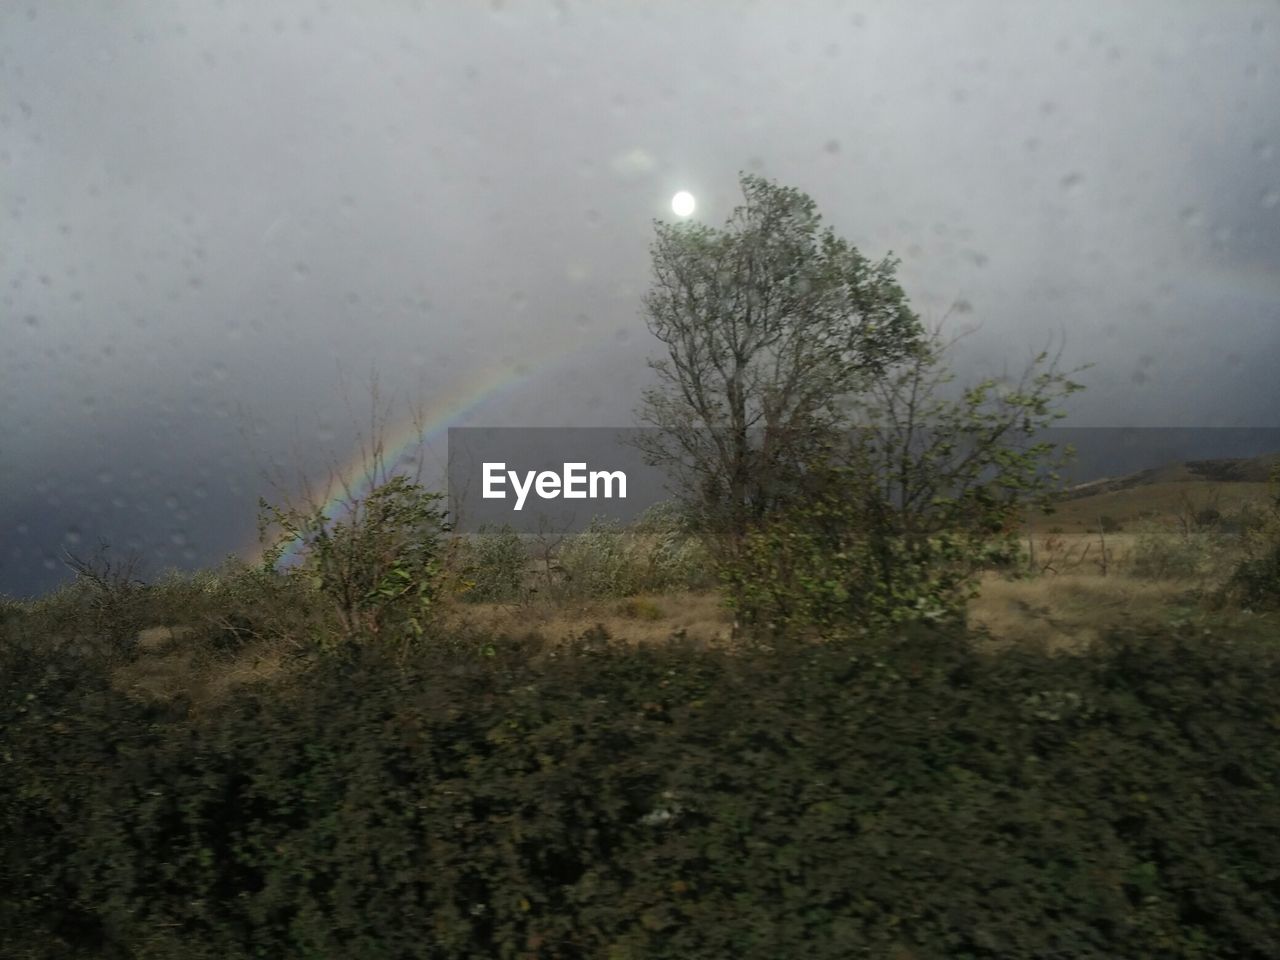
x=208 y=206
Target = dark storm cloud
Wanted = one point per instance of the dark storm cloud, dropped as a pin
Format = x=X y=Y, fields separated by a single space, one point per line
x=207 y=206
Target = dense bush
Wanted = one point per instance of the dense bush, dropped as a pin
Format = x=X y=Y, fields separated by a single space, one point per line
x=847 y=557
x=380 y=566
x=1255 y=582
x=494 y=565
x=1164 y=552
x=655 y=555
x=909 y=799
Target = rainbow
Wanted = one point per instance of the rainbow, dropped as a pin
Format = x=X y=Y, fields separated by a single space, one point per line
x=403 y=439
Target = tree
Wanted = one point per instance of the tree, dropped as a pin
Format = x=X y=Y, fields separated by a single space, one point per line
x=769 y=324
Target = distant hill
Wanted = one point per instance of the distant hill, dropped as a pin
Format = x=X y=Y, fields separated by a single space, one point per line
x=1250 y=470
x=1226 y=485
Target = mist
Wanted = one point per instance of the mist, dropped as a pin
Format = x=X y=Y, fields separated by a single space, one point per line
x=219 y=219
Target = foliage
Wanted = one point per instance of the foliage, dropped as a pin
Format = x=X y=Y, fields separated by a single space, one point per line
x=110 y=592
x=767 y=323
x=1165 y=552
x=896 y=524
x=381 y=566
x=494 y=565
x=1255 y=583
x=608 y=560
x=904 y=798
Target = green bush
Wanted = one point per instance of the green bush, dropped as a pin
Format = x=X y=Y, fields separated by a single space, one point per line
x=905 y=798
x=1255 y=582
x=494 y=565
x=608 y=560
x=381 y=567
x=845 y=557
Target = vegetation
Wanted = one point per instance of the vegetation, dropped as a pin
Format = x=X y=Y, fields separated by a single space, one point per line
x=1255 y=582
x=344 y=757
x=896 y=798
x=769 y=325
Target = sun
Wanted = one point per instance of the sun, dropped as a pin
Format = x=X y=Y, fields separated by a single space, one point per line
x=683 y=204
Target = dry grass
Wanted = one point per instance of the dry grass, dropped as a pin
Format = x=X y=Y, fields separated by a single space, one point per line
x=1066 y=613
x=1149 y=501
x=172 y=668
x=650 y=618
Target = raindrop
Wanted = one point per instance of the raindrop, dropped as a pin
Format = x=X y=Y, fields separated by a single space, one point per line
x=32 y=320
x=72 y=536
x=178 y=538
x=301 y=269
x=1271 y=198
x=1071 y=182
x=832 y=147
x=623 y=335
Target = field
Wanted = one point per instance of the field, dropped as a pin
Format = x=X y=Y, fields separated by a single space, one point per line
x=594 y=767
x=1078 y=583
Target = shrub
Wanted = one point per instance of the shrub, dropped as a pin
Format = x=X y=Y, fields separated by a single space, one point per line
x=381 y=567
x=608 y=560
x=845 y=557
x=909 y=798
x=494 y=564
x=1255 y=582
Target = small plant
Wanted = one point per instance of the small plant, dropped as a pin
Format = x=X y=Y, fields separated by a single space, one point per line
x=111 y=591
x=381 y=567
x=1255 y=582
x=493 y=564
x=640 y=608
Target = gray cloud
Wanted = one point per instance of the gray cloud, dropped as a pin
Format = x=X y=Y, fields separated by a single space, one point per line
x=207 y=207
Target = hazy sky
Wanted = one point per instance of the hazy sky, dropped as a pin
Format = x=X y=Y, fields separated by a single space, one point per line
x=207 y=207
